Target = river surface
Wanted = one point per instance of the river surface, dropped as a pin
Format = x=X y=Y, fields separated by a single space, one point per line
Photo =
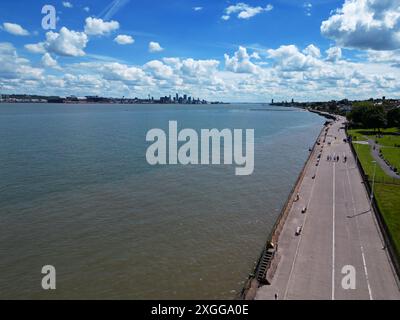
x=76 y=192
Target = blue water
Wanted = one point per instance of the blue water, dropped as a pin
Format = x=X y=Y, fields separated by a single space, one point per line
x=76 y=192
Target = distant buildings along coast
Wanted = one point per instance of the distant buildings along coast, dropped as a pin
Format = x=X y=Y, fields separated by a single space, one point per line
x=177 y=99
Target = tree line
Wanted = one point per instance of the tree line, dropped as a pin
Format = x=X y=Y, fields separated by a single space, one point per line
x=367 y=115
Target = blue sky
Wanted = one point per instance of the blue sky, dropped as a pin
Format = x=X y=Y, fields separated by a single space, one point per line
x=219 y=50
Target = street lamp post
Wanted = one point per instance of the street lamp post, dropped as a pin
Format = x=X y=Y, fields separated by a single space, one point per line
x=373 y=185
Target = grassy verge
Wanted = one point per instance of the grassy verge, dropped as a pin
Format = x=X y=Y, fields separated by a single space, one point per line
x=388 y=199
x=357 y=135
x=387 y=137
x=366 y=159
x=392 y=155
x=387 y=195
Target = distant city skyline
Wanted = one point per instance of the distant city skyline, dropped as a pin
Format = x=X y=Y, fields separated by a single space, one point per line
x=32 y=98
x=235 y=51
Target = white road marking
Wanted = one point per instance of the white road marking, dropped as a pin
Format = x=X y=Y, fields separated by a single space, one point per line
x=359 y=234
x=298 y=243
x=366 y=274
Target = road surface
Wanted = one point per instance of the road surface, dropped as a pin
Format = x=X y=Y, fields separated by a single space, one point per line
x=340 y=236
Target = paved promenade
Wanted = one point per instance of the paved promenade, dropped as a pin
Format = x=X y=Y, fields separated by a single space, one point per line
x=338 y=230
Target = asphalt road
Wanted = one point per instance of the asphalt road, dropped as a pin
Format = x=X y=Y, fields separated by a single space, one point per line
x=340 y=236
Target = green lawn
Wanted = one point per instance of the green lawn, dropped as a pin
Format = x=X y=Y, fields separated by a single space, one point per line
x=388 y=138
x=357 y=136
x=388 y=141
x=388 y=199
x=386 y=195
x=392 y=155
x=366 y=159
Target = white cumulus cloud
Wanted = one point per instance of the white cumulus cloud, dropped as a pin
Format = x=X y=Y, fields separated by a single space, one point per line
x=98 y=27
x=36 y=47
x=155 y=47
x=117 y=71
x=281 y=73
x=124 y=39
x=15 y=29
x=333 y=54
x=13 y=68
x=159 y=70
x=388 y=57
x=240 y=62
x=365 y=24
x=289 y=58
x=49 y=61
x=312 y=51
x=66 y=42
x=67 y=4
x=244 y=11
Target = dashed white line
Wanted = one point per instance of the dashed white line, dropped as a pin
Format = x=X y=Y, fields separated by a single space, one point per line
x=359 y=234
x=298 y=243
x=366 y=273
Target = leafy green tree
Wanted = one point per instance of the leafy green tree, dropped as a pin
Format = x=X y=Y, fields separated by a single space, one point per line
x=357 y=115
x=393 y=117
x=367 y=115
x=375 y=117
